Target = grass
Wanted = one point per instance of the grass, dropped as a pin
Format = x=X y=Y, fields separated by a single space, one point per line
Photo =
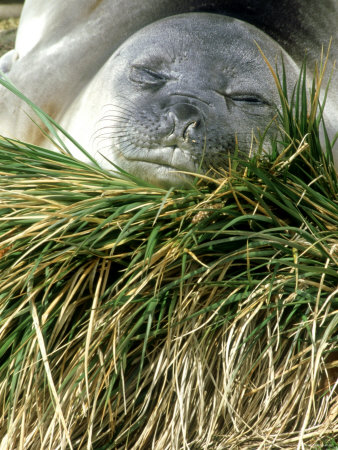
x=133 y=317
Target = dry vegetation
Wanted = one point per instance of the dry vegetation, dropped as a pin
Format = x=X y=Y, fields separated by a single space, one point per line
x=129 y=316
x=136 y=318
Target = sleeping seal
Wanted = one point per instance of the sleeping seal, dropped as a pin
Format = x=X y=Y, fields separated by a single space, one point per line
x=177 y=95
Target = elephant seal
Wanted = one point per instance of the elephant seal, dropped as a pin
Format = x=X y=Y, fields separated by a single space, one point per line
x=69 y=62
x=179 y=95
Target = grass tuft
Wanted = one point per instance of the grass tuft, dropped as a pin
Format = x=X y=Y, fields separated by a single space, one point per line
x=132 y=317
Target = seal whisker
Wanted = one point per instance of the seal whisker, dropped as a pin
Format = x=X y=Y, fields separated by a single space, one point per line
x=118 y=96
x=113 y=108
x=113 y=132
x=117 y=111
x=124 y=99
x=114 y=122
x=114 y=114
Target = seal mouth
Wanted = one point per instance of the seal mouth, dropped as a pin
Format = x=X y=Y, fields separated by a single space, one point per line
x=164 y=167
x=171 y=157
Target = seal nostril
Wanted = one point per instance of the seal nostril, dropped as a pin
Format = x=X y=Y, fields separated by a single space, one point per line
x=184 y=124
x=189 y=130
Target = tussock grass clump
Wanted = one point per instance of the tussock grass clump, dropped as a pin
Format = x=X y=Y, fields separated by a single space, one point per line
x=133 y=317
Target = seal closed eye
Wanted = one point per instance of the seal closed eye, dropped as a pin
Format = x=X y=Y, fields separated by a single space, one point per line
x=148 y=77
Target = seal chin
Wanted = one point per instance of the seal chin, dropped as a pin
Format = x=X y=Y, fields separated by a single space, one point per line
x=161 y=167
x=172 y=157
x=163 y=176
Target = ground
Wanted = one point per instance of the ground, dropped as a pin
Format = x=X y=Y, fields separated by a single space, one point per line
x=7 y=34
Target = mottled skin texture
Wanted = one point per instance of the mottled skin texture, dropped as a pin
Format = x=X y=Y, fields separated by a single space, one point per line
x=63 y=54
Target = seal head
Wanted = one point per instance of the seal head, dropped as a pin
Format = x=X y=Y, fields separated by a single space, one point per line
x=181 y=95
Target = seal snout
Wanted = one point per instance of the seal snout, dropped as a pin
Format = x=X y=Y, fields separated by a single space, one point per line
x=187 y=124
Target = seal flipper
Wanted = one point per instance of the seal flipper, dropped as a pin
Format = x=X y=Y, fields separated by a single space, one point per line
x=7 y=60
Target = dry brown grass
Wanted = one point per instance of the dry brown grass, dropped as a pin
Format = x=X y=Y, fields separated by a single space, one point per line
x=135 y=318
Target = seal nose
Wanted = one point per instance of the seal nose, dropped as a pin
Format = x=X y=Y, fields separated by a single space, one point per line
x=187 y=122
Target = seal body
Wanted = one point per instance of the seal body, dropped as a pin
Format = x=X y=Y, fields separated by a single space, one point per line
x=178 y=95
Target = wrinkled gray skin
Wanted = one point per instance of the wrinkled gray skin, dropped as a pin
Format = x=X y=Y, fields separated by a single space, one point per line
x=174 y=95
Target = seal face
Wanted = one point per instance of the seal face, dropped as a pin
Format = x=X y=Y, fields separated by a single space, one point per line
x=181 y=95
